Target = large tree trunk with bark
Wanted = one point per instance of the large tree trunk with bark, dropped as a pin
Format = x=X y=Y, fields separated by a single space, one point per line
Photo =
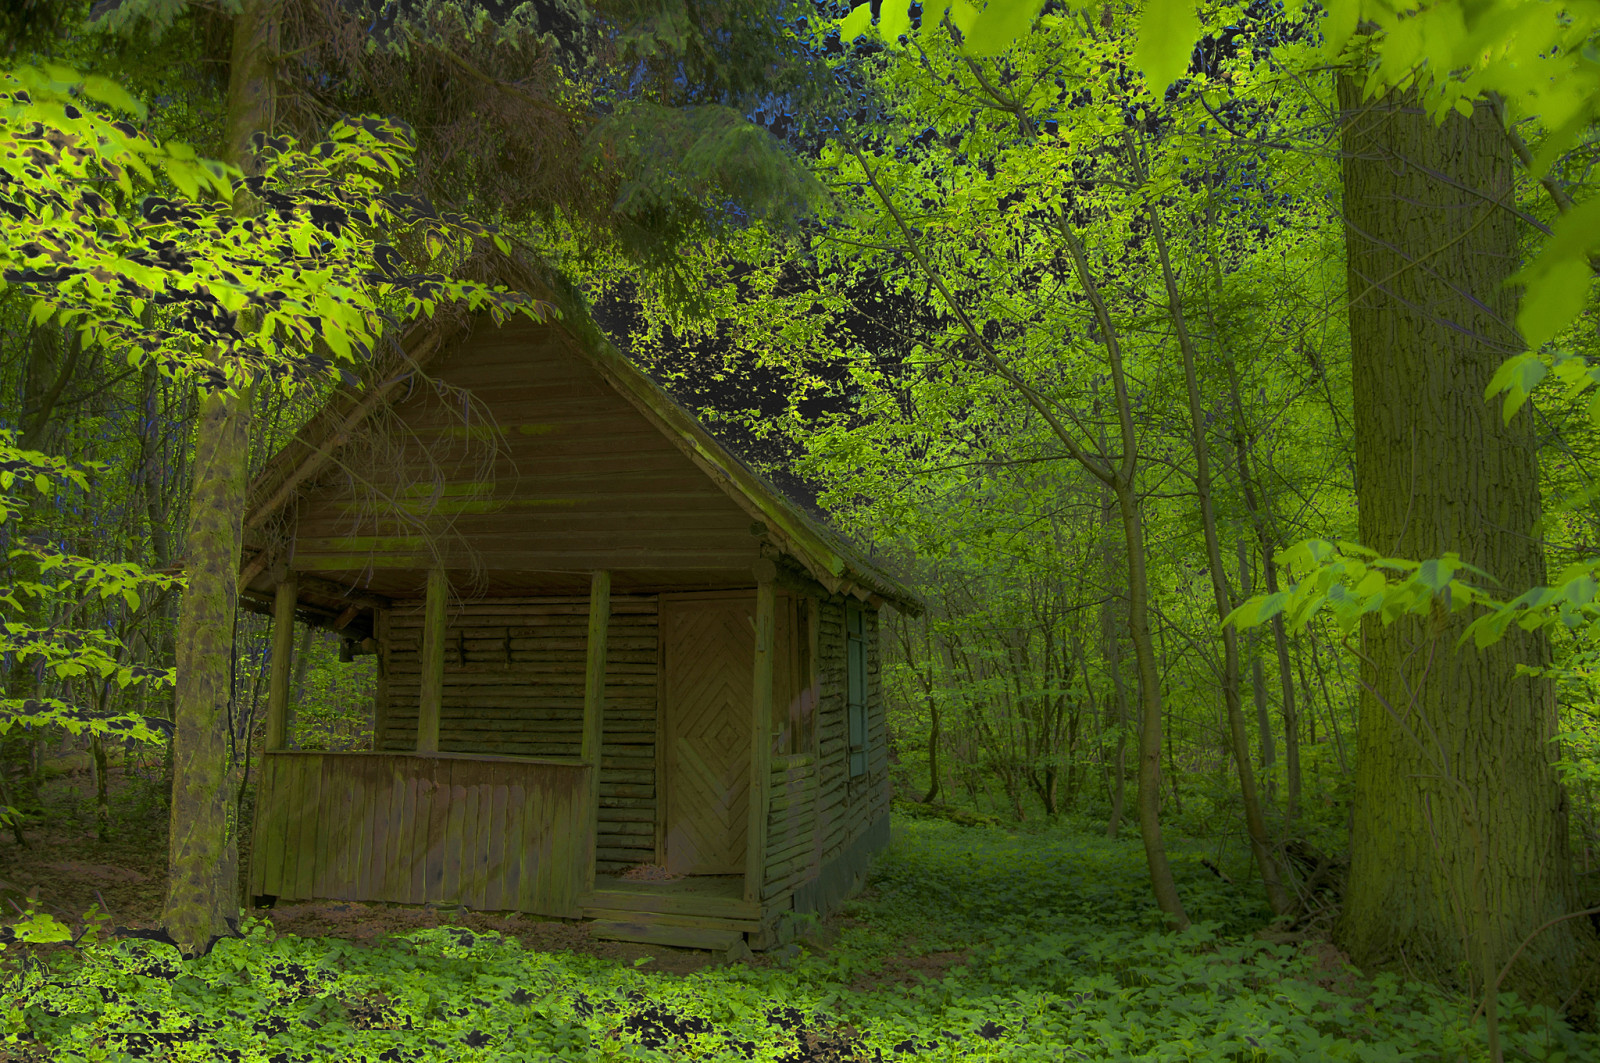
x=203 y=845
x=1459 y=846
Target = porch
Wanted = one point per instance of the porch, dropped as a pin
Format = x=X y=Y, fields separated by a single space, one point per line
x=416 y=821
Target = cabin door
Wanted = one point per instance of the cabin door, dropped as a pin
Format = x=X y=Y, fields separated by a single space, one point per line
x=708 y=656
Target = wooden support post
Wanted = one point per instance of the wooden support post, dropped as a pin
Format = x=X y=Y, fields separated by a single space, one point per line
x=594 y=706
x=282 y=660
x=432 y=698
x=765 y=572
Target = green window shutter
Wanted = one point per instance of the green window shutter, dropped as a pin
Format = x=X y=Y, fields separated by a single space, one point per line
x=856 y=670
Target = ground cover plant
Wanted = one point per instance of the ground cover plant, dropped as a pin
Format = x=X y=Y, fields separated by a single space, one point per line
x=970 y=944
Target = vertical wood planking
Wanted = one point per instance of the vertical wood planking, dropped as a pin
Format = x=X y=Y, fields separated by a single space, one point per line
x=270 y=834
x=410 y=829
x=761 y=730
x=340 y=791
x=309 y=770
x=431 y=699
x=415 y=853
x=594 y=706
x=455 y=848
x=283 y=600
x=516 y=844
x=377 y=828
x=438 y=826
x=532 y=808
x=326 y=845
x=289 y=809
x=495 y=844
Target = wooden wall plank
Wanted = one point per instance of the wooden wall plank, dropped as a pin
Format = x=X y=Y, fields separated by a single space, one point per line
x=495 y=844
x=438 y=822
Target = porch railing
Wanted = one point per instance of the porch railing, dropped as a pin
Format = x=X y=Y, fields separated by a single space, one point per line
x=493 y=833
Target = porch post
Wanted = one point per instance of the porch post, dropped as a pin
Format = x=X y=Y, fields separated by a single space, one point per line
x=432 y=697
x=283 y=600
x=765 y=571
x=594 y=706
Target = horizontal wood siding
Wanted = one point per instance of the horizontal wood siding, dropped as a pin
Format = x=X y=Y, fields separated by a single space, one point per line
x=832 y=731
x=548 y=469
x=513 y=685
x=791 y=824
x=407 y=828
x=847 y=806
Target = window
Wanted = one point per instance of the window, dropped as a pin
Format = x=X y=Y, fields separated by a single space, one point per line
x=855 y=645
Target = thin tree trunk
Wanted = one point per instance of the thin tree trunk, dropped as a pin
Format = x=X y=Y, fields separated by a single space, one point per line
x=1258 y=684
x=935 y=735
x=1255 y=823
x=1459 y=844
x=202 y=900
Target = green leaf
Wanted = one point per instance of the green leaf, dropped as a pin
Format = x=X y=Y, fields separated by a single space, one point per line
x=106 y=91
x=855 y=23
x=1517 y=377
x=1555 y=295
x=999 y=25
x=1167 y=32
x=894 y=19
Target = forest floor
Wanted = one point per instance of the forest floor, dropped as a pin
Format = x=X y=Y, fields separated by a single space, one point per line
x=970 y=943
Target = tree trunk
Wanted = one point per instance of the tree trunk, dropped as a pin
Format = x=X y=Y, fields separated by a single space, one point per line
x=202 y=901
x=1255 y=823
x=1144 y=655
x=1459 y=844
x=1258 y=683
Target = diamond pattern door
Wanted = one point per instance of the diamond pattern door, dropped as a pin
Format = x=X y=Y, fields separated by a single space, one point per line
x=709 y=651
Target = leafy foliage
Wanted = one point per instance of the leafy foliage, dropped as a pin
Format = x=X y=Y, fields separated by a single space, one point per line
x=1037 y=945
x=310 y=268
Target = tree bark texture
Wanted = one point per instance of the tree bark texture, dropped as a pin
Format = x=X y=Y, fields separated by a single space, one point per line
x=1459 y=846
x=1150 y=709
x=202 y=855
x=203 y=845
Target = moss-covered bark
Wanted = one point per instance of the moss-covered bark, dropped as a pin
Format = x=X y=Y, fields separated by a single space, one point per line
x=1459 y=848
x=203 y=846
x=202 y=862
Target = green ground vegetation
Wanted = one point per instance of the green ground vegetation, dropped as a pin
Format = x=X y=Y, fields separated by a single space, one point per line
x=970 y=944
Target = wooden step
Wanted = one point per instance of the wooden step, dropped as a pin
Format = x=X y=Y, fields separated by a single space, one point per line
x=671 y=903
x=715 y=922
x=653 y=933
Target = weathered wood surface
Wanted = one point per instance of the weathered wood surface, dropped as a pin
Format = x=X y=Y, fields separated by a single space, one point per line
x=282 y=660
x=514 y=684
x=761 y=727
x=790 y=856
x=594 y=712
x=653 y=932
x=491 y=833
x=708 y=653
x=430 y=662
x=847 y=806
x=576 y=479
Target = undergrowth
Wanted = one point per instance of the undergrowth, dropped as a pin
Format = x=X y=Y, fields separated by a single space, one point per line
x=1048 y=945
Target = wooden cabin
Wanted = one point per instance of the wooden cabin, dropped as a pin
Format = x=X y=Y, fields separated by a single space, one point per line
x=620 y=677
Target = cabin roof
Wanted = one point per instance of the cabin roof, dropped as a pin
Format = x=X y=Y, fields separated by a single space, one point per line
x=823 y=552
